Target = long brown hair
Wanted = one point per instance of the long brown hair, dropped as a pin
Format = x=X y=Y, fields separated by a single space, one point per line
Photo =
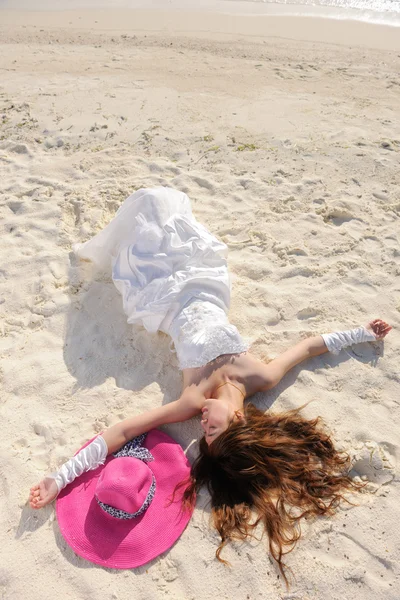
x=281 y=467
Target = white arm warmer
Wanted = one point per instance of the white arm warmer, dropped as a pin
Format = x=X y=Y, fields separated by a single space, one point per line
x=341 y=339
x=87 y=459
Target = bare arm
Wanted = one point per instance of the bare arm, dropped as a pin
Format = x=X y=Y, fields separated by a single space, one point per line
x=277 y=368
x=314 y=346
x=114 y=437
x=174 y=412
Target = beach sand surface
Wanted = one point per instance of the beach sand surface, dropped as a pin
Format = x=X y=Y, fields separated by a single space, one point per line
x=289 y=150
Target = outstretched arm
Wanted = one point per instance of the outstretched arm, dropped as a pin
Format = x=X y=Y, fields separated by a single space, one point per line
x=316 y=345
x=120 y=433
x=108 y=442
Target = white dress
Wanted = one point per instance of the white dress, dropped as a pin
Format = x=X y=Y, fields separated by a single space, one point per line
x=171 y=273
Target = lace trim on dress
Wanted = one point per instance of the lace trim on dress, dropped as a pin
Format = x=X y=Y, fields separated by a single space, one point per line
x=215 y=342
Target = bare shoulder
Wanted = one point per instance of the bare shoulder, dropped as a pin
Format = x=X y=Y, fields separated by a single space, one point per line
x=251 y=371
x=191 y=400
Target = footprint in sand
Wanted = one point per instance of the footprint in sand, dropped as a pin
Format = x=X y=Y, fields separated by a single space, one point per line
x=36 y=451
x=14 y=206
x=272 y=316
x=204 y=183
x=337 y=216
x=42 y=307
x=296 y=252
x=307 y=313
x=20 y=149
x=371 y=462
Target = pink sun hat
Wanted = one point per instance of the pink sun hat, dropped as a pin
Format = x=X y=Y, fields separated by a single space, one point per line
x=120 y=515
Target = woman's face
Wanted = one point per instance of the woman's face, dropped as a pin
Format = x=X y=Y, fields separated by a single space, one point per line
x=216 y=417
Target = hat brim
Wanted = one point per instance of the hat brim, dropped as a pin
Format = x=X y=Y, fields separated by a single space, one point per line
x=125 y=544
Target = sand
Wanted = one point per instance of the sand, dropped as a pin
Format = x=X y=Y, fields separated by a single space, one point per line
x=289 y=150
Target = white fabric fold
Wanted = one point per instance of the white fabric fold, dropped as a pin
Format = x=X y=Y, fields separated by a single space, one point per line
x=338 y=340
x=87 y=459
x=171 y=272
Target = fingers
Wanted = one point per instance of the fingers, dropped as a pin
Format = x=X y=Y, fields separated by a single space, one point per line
x=385 y=331
x=34 y=494
x=380 y=328
x=35 y=500
x=37 y=504
x=378 y=323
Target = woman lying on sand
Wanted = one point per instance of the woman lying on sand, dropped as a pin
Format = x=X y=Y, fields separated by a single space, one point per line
x=173 y=277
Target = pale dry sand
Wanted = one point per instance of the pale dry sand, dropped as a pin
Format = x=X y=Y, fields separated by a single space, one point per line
x=290 y=153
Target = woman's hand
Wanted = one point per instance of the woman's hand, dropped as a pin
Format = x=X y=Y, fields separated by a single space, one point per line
x=43 y=493
x=378 y=328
